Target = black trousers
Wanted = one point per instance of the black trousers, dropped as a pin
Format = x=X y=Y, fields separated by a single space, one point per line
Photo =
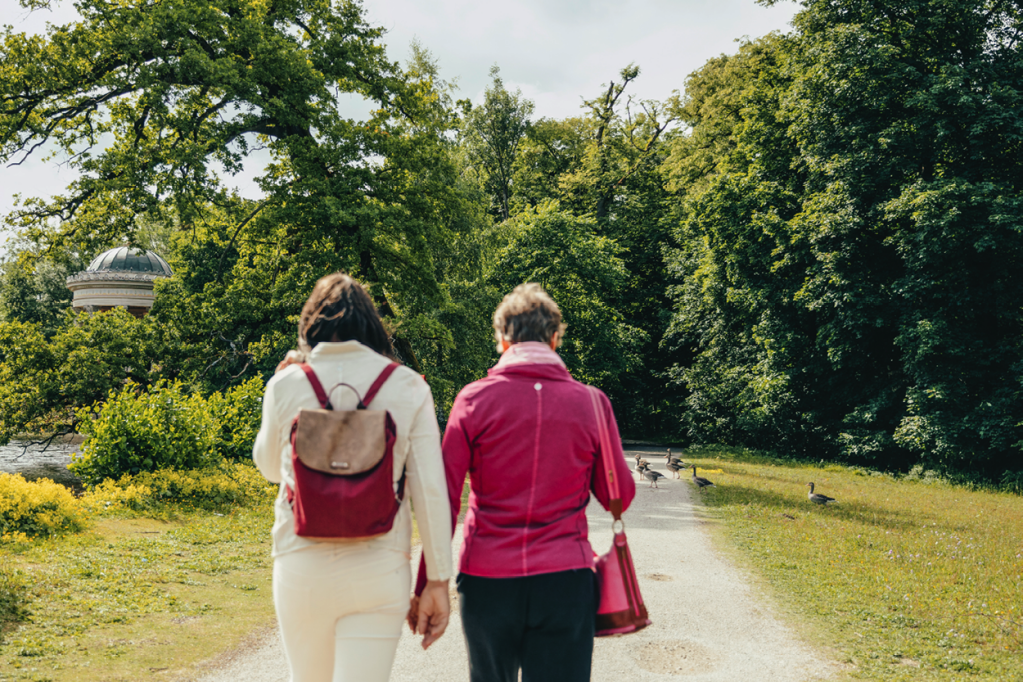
x=542 y=624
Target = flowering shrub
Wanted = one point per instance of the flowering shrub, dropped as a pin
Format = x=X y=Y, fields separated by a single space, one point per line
x=30 y=509
x=232 y=484
x=140 y=430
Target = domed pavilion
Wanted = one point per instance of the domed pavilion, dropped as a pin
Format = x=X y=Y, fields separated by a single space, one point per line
x=118 y=278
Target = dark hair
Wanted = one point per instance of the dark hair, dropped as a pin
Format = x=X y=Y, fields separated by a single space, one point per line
x=528 y=313
x=340 y=309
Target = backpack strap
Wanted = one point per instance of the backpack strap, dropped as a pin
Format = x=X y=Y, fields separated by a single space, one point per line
x=372 y=392
x=321 y=395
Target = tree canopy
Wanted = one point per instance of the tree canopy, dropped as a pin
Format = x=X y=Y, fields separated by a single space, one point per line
x=815 y=249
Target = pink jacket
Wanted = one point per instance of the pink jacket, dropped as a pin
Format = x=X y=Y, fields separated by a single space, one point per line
x=527 y=436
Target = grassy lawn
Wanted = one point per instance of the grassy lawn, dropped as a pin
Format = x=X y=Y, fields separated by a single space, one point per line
x=905 y=580
x=140 y=598
x=142 y=595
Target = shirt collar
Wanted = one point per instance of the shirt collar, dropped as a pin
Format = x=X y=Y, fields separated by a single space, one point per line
x=332 y=348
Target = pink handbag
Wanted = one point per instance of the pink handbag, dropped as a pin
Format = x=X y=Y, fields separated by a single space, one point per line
x=621 y=609
x=344 y=462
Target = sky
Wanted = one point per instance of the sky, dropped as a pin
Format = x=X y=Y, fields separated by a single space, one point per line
x=557 y=52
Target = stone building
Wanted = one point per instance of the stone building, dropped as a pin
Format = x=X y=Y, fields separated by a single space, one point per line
x=118 y=278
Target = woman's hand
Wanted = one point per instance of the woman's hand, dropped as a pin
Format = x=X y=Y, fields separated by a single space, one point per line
x=413 y=614
x=291 y=358
x=432 y=609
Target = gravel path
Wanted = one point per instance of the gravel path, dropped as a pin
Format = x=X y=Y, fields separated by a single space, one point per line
x=709 y=625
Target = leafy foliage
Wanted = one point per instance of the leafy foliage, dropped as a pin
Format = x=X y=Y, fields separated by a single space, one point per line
x=138 y=430
x=26 y=369
x=491 y=136
x=815 y=250
x=583 y=272
x=34 y=289
x=237 y=412
x=849 y=235
x=45 y=382
x=182 y=86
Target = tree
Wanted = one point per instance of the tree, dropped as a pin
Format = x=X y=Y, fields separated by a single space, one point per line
x=550 y=151
x=33 y=287
x=848 y=237
x=736 y=186
x=619 y=182
x=917 y=166
x=183 y=85
x=624 y=137
x=491 y=136
x=605 y=166
x=583 y=272
x=43 y=382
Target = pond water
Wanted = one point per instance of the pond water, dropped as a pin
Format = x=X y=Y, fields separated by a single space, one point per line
x=36 y=461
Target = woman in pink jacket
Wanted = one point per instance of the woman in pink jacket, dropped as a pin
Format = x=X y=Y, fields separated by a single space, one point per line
x=527 y=436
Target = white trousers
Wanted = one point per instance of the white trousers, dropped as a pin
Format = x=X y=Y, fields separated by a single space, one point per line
x=341 y=611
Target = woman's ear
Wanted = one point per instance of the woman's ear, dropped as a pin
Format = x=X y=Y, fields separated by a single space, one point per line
x=505 y=345
x=555 y=340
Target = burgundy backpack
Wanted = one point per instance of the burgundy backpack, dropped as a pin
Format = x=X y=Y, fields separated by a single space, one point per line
x=344 y=466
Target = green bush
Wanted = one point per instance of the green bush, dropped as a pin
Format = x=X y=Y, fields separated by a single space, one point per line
x=13 y=599
x=1012 y=481
x=31 y=509
x=238 y=413
x=231 y=484
x=140 y=430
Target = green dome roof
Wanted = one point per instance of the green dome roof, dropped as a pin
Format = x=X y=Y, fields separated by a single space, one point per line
x=125 y=259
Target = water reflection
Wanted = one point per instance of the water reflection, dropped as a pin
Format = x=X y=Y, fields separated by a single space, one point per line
x=36 y=461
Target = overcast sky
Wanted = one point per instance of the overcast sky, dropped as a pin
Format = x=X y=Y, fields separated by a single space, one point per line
x=556 y=51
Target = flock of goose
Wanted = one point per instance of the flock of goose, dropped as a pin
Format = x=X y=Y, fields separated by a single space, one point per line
x=676 y=465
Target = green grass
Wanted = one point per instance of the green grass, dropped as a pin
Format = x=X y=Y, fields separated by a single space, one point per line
x=151 y=594
x=904 y=580
x=140 y=598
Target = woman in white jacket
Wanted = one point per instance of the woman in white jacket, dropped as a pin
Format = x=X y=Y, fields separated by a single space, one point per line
x=341 y=603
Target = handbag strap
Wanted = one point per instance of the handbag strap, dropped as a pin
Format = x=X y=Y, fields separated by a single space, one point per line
x=321 y=395
x=615 y=495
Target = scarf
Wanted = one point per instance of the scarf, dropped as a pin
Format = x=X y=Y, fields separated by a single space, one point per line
x=529 y=353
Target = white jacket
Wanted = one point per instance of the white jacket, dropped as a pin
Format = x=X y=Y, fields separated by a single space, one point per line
x=417 y=449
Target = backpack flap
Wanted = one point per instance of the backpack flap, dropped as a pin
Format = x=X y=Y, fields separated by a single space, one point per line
x=342 y=443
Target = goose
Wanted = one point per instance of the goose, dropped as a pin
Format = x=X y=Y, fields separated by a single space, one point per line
x=700 y=480
x=652 y=476
x=671 y=458
x=817 y=498
x=675 y=466
x=641 y=465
